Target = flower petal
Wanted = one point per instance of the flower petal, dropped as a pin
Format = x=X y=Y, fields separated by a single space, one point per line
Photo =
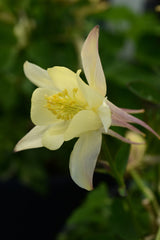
x=84 y=121
x=133 y=111
x=84 y=157
x=104 y=113
x=123 y=139
x=91 y=62
x=53 y=138
x=63 y=78
x=119 y=123
x=40 y=115
x=37 y=75
x=93 y=98
x=32 y=139
x=118 y=113
x=52 y=141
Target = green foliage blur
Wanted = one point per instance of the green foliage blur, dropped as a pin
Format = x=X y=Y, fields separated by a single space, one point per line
x=50 y=33
x=104 y=217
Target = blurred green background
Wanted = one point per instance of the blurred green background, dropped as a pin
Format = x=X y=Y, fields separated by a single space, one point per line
x=50 y=33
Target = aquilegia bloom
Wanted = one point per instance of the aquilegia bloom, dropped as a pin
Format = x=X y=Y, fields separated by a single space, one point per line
x=64 y=107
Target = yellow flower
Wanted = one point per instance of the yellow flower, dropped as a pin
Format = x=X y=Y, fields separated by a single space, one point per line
x=64 y=107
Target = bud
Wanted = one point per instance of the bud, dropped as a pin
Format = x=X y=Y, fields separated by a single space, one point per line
x=137 y=151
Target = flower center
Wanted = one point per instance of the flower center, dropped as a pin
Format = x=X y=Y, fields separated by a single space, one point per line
x=65 y=105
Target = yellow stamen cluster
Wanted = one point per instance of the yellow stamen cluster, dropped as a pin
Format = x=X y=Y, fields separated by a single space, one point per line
x=65 y=105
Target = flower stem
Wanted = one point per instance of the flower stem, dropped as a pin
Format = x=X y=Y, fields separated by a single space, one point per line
x=146 y=191
x=113 y=169
x=158 y=234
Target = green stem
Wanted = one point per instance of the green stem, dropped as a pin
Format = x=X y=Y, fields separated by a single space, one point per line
x=146 y=191
x=158 y=180
x=114 y=171
x=132 y=212
x=158 y=234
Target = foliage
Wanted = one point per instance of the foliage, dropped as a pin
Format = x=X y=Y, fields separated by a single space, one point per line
x=104 y=217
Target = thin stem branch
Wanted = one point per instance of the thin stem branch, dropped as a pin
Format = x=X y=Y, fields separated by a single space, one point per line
x=113 y=169
x=147 y=192
x=158 y=234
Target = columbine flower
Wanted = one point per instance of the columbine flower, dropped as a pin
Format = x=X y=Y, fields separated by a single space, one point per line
x=64 y=107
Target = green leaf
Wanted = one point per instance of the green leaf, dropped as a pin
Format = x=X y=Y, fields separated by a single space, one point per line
x=122 y=72
x=148 y=50
x=103 y=217
x=120 y=13
x=149 y=91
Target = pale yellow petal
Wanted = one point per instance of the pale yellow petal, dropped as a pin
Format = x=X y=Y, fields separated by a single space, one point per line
x=91 y=62
x=32 y=139
x=38 y=75
x=54 y=136
x=93 y=98
x=104 y=113
x=63 y=78
x=84 y=157
x=84 y=121
x=40 y=115
x=52 y=141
